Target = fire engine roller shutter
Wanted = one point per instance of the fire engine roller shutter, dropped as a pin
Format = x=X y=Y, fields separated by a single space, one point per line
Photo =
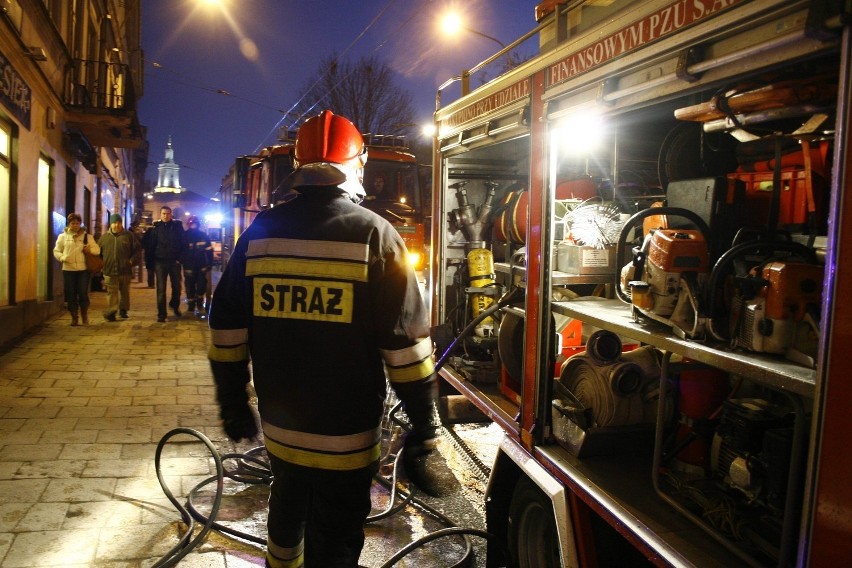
x=512 y=124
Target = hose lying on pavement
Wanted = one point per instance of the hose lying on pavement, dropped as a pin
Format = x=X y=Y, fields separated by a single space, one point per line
x=254 y=470
x=186 y=543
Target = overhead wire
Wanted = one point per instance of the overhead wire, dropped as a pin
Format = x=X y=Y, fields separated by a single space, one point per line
x=182 y=78
x=208 y=88
x=319 y=79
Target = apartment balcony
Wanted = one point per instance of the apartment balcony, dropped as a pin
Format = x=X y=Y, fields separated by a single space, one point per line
x=100 y=102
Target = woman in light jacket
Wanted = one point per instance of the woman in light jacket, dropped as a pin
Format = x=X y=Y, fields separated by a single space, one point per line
x=70 y=247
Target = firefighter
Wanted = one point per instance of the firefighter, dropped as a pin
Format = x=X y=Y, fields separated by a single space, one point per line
x=197 y=261
x=319 y=297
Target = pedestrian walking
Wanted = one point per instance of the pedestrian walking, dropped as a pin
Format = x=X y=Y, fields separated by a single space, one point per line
x=318 y=296
x=138 y=232
x=120 y=250
x=197 y=262
x=167 y=245
x=71 y=248
x=147 y=247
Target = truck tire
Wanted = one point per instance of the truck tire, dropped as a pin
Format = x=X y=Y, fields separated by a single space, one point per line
x=532 y=538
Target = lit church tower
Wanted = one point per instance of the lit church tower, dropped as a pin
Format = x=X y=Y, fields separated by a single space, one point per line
x=169 y=178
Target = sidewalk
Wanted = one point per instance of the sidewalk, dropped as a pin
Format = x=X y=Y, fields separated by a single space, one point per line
x=82 y=410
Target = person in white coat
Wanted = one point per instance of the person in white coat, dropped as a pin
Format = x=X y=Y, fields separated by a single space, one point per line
x=70 y=249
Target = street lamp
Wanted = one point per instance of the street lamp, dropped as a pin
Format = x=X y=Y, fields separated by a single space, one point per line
x=452 y=23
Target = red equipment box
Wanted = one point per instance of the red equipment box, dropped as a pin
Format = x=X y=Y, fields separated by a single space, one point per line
x=799 y=195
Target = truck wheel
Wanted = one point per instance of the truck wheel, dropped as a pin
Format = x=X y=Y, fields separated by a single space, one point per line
x=533 y=542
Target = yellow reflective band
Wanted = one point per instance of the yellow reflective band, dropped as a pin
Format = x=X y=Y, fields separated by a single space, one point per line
x=413 y=373
x=302 y=267
x=313 y=300
x=358 y=252
x=335 y=462
x=274 y=562
x=340 y=444
x=228 y=354
x=289 y=557
x=408 y=355
x=231 y=337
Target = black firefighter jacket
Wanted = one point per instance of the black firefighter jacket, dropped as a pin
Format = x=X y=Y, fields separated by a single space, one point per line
x=198 y=250
x=318 y=294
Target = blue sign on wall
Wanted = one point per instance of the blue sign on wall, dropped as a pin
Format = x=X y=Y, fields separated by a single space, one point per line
x=15 y=94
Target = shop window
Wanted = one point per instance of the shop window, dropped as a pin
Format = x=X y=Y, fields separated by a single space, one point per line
x=44 y=249
x=5 y=221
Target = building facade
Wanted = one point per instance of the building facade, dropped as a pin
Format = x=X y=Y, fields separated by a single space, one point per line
x=170 y=193
x=70 y=140
x=168 y=172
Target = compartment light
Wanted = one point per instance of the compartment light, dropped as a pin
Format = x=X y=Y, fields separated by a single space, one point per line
x=578 y=134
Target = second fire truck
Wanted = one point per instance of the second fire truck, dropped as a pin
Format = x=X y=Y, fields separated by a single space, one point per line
x=392 y=179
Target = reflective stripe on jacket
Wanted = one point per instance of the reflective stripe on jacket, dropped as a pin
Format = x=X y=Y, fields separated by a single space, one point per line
x=319 y=294
x=198 y=250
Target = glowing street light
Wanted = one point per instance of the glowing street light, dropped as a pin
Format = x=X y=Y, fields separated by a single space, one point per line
x=451 y=24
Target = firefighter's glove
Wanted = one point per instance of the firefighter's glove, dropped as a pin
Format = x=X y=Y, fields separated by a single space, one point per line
x=239 y=421
x=238 y=416
x=415 y=456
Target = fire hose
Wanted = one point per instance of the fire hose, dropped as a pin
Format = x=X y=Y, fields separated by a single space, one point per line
x=254 y=470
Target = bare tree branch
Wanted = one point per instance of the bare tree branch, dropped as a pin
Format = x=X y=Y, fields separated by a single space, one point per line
x=364 y=91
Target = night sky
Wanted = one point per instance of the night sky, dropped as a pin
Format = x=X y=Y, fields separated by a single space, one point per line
x=219 y=79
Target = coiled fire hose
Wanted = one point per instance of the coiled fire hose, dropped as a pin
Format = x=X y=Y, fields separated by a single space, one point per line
x=254 y=470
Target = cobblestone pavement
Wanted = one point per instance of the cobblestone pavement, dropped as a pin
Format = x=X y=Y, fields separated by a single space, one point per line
x=82 y=410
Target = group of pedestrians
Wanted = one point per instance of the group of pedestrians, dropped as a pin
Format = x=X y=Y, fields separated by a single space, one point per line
x=170 y=252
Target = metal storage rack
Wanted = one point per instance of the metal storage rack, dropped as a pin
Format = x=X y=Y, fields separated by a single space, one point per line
x=791 y=379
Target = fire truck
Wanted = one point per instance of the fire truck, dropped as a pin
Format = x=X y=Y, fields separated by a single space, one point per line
x=257 y=182
x=636 y=274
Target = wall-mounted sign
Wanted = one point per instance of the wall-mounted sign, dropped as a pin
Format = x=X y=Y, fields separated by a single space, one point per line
x=15 y=94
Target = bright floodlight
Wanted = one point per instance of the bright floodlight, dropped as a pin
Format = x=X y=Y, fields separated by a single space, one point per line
x=578 y=134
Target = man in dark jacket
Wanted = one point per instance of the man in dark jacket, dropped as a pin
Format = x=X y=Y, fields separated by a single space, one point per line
x=167 y=244
x=319 y=297
x=120 y=250
x=197 y=262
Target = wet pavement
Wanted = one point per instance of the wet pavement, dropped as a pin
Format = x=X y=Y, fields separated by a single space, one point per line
x=82 y=410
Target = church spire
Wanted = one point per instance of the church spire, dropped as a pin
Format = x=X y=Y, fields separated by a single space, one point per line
x=169 y=172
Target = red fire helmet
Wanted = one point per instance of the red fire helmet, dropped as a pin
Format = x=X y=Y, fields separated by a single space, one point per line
x=330 y=138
